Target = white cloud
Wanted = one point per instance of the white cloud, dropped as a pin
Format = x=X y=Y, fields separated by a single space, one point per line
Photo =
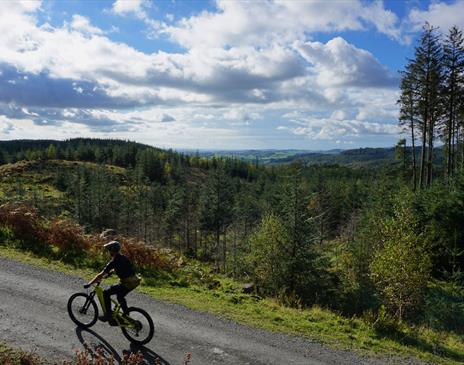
x=166 y=118
x=260 y=23
x=20 y=6
x=338 y=115
x=17 y=26
x=137 y=8
x=377 y=112
x=240 y=116
x=81 y=23
x=332 y=129
x=223 y=76
x=238 y=74
x=338 y=63
x=385 y=21
x=356 y=112
x=203 y=116
x=441 y=14
x=122 y=7
x=6 y=127
x=292 y=115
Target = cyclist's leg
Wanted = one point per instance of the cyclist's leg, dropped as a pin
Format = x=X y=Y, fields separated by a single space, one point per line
x=107 y=293
x=121 y=293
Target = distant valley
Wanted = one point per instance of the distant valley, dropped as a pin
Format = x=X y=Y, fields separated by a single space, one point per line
x=359 y=157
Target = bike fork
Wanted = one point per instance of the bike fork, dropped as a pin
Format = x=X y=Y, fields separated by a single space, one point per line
x=87 y=303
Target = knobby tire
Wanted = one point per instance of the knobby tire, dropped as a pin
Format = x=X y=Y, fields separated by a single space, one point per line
x=89 y=303
x=129 y=332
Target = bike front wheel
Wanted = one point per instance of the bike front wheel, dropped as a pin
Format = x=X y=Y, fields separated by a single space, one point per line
x=141 y=328
x=83 y=310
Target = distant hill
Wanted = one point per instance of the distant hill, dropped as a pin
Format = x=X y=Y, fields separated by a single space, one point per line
x=123 y=153
x=268 y=156
x=359 y=157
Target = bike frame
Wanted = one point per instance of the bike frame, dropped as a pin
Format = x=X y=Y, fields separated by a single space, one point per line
x=120 y=320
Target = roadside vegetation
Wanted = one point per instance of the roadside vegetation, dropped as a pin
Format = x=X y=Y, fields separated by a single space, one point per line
x=9 y=356
x=173 y=277
x=88 y=356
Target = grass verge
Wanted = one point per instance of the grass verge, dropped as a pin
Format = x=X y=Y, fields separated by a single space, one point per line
x=315 y=323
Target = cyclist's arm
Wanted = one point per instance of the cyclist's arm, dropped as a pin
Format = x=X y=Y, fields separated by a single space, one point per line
x=107 y=271
x=98 y=277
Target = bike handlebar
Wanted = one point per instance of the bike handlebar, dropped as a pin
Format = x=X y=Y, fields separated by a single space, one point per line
x=86 y=286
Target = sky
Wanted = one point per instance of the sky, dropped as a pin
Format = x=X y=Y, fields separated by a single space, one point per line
x=215 y=74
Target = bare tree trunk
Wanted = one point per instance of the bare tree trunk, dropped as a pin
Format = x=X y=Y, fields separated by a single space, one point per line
x=453 y=146
x=413 y=155
x=460 y=135
x=224 y=251
x=200 y=242
x=234 y=248
x=187 y=233
x=216 y=249
x=449 y=144
x=430 y=154
x=422 y=157
x=404 y=158
x=145 y=220
x=195 y=242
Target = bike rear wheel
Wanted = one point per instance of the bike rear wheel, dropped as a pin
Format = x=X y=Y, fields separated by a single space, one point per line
x=142 y=328
x=83 y=310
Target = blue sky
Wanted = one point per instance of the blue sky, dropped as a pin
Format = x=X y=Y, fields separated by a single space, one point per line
x=210 y=74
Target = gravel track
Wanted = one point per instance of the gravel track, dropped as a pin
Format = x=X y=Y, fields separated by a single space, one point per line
x=33 y=316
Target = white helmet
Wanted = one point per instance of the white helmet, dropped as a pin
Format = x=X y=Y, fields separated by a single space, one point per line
x=113 y=246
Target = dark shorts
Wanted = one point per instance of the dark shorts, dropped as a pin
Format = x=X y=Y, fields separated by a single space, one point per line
x=120 y=291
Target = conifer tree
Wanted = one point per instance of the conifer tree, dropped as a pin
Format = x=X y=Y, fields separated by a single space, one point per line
x=51 y=152
x=299 y=226
x=216 y=205
x=453 y=62
x=400 y=152
x=408 y=113
x=427 y=74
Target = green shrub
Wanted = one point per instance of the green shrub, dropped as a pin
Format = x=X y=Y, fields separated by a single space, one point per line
x=6 y=235
x=268 y=260
x=386 y=324
x=401 y=266
x=354 y=292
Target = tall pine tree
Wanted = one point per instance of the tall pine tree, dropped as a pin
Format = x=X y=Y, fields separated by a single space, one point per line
x=422 y=79
x=409 y=113
x=453 y=62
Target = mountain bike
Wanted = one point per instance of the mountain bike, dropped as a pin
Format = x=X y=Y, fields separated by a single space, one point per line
x=136 y=325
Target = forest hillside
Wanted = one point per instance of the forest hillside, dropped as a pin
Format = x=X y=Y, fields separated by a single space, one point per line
x=358 y=242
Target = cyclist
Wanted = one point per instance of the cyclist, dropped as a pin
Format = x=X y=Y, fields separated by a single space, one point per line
x=123 y=267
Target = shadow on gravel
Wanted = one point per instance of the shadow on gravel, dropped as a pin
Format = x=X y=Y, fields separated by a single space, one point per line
x=93 y=343
x=150 y=356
